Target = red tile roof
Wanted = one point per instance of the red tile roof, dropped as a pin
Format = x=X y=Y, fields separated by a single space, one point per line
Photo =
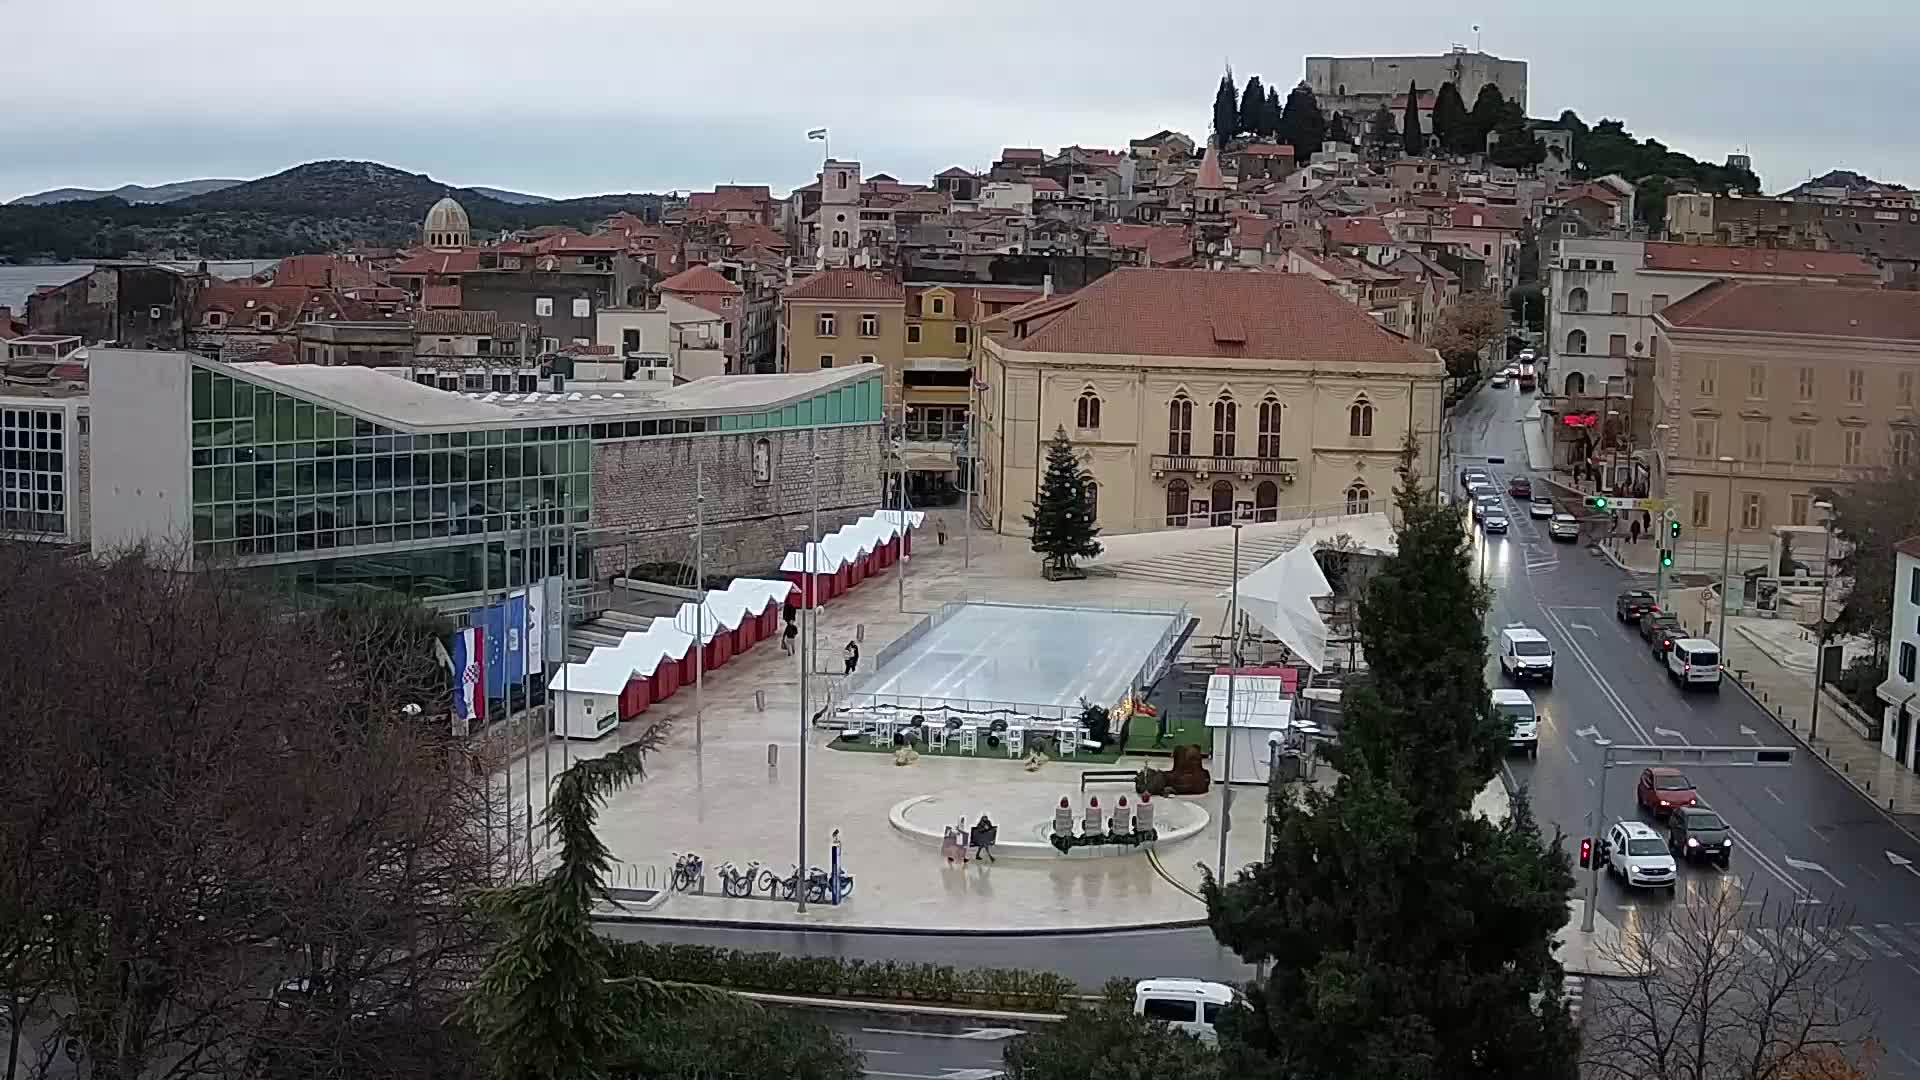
x=1208 y=313
x=242 y=302
x=438 y=262
x=1358 y=231
x=954 y=173
x=1740 y=260
x=1161 y=243
x=1491 y=217
x=321 y=272
x=1023 y=153
x=1399 y=105
x=748 y=234
x=1045 y=183
x=1769 y=307
x=573 y=243
x=1210 y=177
x=702 y=280
x=1266 y=150
x=441 y=296
x=847 y=285
x=752 y=198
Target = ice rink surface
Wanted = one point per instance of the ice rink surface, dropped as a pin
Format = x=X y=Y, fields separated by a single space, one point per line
x=1025 y=655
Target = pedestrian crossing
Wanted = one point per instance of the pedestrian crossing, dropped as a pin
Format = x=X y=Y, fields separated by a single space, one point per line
x=1541 y=564
x=1856 y=942
x=1574 y=989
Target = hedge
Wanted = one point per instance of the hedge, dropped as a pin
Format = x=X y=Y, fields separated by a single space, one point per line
x=826 y=976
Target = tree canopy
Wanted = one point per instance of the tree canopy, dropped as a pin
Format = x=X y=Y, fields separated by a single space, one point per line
x=1226 y=110
x=1302 y=125
x=1878 y=510
x=1412 y=139
x=1253 y=109
x=1451 y=124
x=1062 y=521
x=1653 y=168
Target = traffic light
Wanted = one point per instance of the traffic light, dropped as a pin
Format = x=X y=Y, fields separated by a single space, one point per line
x=1586 y=852
x=1673 y=529
x=1597 y=502
x=1666 y=558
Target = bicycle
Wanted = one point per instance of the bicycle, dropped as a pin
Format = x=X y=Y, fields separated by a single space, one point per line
x=688 y=871
x=736 y=882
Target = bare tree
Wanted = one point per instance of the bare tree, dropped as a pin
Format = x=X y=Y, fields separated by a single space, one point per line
x=1731 y=991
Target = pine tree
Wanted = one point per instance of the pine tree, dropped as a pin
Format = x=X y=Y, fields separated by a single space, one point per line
x=1302 y=126
x=1412 y=139
x=1404 y=934
x=1514 y=144
x=1380 y=130
x=1274 y=110
x=1487 y=107
x=1062 y=518
x=1253 y=109
x=1451 y=124
x=1226 y=110
x=1337 y=129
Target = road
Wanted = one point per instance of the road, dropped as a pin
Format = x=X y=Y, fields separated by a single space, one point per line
x=1801 y=833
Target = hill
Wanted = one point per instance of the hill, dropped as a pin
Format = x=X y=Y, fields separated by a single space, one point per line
x=517 y=198
x=319 y=206
x=127 y=193
x=1847 y=180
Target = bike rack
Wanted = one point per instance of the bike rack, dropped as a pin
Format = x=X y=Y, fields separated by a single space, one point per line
x=762 y=883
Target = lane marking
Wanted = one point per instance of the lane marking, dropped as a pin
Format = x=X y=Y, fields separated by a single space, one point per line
x=1812 y=867
x=1570 y=754
x=1813 y=942
x=1874 y=942
x=1747 y=943
x=1776 y=797
x=1897 y=936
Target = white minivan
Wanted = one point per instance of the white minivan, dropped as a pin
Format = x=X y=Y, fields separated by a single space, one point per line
x=1192 y=1005
x=1515 y=709
x=1694 y=662
x=1525 y=654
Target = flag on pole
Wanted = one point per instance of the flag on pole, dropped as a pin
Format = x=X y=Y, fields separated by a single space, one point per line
x=817 y=133
x=469 y=680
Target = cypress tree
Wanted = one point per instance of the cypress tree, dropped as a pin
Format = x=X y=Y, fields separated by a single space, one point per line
x=1226 y=110
x=1302 y=125
x=1273 y=113
x=1062 y=518
x=1380 y=131
x=1487 y=108
x=1412 y=139
x=1253 y=109
x=1451 y=123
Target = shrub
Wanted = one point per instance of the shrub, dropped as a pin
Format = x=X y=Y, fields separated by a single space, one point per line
x=826 y=976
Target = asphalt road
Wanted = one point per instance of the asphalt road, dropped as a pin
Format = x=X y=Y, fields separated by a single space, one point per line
x=915 y=1048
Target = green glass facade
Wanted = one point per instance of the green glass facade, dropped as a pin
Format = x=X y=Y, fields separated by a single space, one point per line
x=274 y=474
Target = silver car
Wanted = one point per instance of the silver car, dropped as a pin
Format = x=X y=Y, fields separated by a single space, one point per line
x=1563 y=527
x=1541 y=507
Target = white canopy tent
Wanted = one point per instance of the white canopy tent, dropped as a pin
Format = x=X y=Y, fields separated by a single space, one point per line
x=1279 y=596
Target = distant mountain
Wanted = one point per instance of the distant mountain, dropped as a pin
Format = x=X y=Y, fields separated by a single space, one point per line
x=1844 y=179
x=127 y=193
x=517 y=198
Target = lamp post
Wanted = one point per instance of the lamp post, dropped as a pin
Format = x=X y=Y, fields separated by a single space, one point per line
x=1726 y=564
x=1233 y=667
x=1664 y=540
x=1820 y=627
x=811 y=595
x=700 y=603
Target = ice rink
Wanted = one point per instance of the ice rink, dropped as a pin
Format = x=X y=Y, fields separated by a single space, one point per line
x=1013 y=654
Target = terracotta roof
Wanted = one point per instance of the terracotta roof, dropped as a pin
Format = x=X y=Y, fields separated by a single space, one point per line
x=573 y=243
x=1740 y=260
x=1023 y=153
x=287 y=303
x=1251 y=231
x=847 y=285
x=438 y=262
x=748 y=234
x=1491 y=217
x=1266 y=150
x=699 y=279
x=1358 y=231
x=455 y=322
x=731 y=197
x=321 y=272
x=1045 y=183
x=1207 y=313
x=1161 y=243
x=1910 y=547
x=1399 y=105
x=1769 y=307
x=954 y=173
x=440 y=296
x=1209 y=176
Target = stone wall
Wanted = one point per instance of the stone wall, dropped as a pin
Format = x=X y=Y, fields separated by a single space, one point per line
x=643 y=496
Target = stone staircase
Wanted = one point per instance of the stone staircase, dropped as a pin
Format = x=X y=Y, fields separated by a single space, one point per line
x=612 y=625
x=1211 y=565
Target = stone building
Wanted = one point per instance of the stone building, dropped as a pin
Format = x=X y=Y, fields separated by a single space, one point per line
x=138 y=305
x=1357 y=85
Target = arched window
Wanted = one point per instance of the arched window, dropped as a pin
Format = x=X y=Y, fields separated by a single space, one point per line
x=1220 y=502
x=1577 y=342
x=1576 y=384
x=1269 y=443
x=1093 y=502
x=762 y=461
x=1086 y=412
x=1358 y=498
x=1226 y=417
x=1576 y=299
x=1266 y=501
x=1360 y=419
x=1177 y=502
x=1180 y=425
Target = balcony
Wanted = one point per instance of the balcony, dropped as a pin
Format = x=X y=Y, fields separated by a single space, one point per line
x=1202 y=465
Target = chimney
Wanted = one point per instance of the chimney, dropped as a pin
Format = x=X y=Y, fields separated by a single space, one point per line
x=1046 y=286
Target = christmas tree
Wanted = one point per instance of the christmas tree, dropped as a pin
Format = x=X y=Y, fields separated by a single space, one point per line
x=1062 y=518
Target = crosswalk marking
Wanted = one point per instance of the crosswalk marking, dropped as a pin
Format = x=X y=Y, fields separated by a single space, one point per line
x=1874 y=942
x=1898 y=937
x=1843 y=941
x=1752 y=946
x=1574 y=988
x=1813 y=942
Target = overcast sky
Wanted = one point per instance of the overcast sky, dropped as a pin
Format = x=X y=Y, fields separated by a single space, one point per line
x=565 y=97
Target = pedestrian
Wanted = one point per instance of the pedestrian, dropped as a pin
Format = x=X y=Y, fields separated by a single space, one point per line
x=853 y=656
x=788 y=636
x=940 y=530
x=982 y=838
x=1633 y=532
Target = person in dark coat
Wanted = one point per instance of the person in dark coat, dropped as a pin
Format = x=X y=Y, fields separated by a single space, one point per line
x=982 y=836
x=853 y=656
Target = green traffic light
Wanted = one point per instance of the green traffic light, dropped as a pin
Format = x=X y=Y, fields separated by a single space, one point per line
x=1673 y=529
x=1666 y=559
x=1600 y=502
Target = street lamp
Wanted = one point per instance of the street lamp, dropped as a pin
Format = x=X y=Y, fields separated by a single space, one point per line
x=1233 y=668
x=1726 y=562
x=1820 y=625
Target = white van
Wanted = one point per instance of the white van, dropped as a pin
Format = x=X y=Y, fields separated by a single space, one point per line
x=1192 y=1005
x=1525 y=654
x=1694 y=662
x=1515 y=708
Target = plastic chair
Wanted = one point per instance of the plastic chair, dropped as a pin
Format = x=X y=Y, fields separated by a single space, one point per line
x=937 y=737
x=969 y=739
x=1068 y=738
x=883 y=732
x=1016 y=742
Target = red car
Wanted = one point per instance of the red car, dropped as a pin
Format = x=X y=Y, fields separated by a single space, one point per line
x=1520 y=487
x=1663 y=789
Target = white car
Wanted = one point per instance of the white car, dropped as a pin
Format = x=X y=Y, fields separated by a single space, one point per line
x=1637 y=855
x=1525 y=653
x=1500 y=379
x=1694 y=662
x=1563 y=527
x=1515 y=709
x=1540 y=507
x=1191 y=1005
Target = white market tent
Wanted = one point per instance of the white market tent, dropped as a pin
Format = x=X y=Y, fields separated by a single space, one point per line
x=848 y=543
x=1262 y=714
x=1279 y=596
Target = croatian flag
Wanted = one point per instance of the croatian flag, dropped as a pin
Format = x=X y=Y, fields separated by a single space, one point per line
x=469 y=678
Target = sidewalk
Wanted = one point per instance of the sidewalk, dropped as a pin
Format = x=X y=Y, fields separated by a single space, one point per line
x=1772 y=670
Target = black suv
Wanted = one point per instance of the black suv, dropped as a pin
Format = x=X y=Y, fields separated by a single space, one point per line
x=1697 y=834
x=1629 y=606
x=1659 y=628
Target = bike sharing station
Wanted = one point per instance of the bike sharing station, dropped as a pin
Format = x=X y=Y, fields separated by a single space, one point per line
x=829 y=885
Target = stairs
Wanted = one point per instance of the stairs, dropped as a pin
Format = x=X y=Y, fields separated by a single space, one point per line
x=612 y=625
x=1212 y=565
x=1574 y=987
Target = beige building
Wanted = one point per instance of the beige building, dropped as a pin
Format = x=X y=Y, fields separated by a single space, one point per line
x=1196 y=395
x=1770 y=391
x=842 y=317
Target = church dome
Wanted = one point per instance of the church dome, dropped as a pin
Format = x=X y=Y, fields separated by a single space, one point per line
x=447 y=225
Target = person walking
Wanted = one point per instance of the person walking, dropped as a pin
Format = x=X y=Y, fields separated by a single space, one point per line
x=788 y=636
x=853 y=656
x=1633 y=531
x=940 y=530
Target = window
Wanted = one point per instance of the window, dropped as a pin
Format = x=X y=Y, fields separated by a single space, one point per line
x=869 y=324
x=1360 y=420
x=473 y=381
x=762 y=461
x=1797 y=506
x=1180 y=425
x=823 y=325
x=216 y=319
x=726 y=302
x=1576 y=384
x=1086 y=411
x=726 y=331
x=1177 y=505
x=1266 y=501
x=1904 y=387
x=1226 y=419
x=1806 y=384
x=1856 y=385
x=1756 y=380
x=1619 y=306
x=841 y=179
x=960 y=335
x=826 y=360
x=543 y=307
x=913 y=334
x=1358 y=498
x=1750 y=510
x=1660 y=301
x=1577 y=342
x=1616 y=344
x=1850 y=447
x=1907 y=659
x=1702 y=509
x=630 y=341
x=1606 y=265
x=1803 y=446
x=1709 y=378
x=265 y=321
x=939 y=305
x=866 y=358
x=1576 y=299
x=582 y=308
x=1268 y=445
x=1755 y=440
x=1913 y=586
x=1568 y=228
x=1705 y=439
x=1901 y=452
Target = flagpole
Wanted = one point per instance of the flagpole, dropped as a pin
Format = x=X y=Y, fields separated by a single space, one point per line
x=546 y=726
x=700 y=603
x=526 y=687
x=479 y=706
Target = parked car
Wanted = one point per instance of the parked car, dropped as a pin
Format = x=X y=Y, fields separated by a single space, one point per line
x=1694 y=662
x=1564 y=527
x=1191 y=1005
x=1525 y=654
x=1485 y=502
x=1515 y=709
x=1660 y=630
x=1499 y=379
x=1474 y=472
x=1636 y=855
x=1697 y=834
x=1540 y=507
x=1494 y=521
x=1520 y=487
x=1630 y=605
x=1661 y=789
